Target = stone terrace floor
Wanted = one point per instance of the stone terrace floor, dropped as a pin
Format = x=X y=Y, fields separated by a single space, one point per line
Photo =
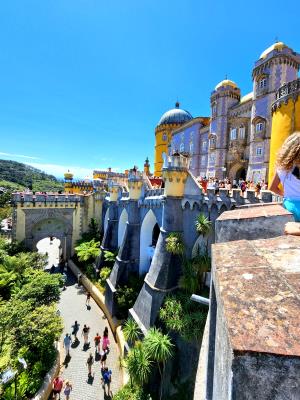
x=72 y=307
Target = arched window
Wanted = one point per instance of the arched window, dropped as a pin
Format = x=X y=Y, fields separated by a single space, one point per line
x=242 y=132
x=164 y=137
x=233 y=134
x=259 y=127
x=191 y=148
x=181 y=149
x=214 y=109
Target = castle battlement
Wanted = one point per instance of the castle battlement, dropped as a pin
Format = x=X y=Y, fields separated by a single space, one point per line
x=32 y=200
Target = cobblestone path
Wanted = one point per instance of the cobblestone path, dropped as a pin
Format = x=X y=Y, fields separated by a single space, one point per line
x=72 y=307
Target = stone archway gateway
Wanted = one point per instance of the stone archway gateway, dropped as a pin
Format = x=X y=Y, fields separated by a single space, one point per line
x=65 y=217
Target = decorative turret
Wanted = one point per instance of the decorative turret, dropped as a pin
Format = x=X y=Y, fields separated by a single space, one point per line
x=113 y=189
x=147 y=167
x=135 y=183
x=68 y=181
x=175 y=173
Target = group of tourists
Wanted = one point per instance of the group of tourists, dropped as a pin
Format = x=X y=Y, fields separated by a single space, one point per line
x=243 y=185
x=101 y=352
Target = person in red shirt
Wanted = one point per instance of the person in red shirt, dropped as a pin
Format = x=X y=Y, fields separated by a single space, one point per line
x=57 y=387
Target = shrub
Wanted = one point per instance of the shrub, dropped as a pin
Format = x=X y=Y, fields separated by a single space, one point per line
x=174 y=243
x=129 y=392
x=104 y=274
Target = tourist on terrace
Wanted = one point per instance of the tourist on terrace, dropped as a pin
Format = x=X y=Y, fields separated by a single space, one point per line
x=67 y=344
x=288 y=175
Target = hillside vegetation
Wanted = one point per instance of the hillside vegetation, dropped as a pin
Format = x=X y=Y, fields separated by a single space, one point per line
x=15 y=176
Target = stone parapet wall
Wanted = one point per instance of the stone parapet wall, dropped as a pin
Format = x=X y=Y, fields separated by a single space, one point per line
x=29 y=199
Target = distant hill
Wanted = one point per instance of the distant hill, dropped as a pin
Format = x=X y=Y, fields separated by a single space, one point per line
x=15 y=176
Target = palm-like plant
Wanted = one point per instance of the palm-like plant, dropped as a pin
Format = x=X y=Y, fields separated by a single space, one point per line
x=159 y=348
x=203 y=224
x=131 y=331
x=138 y=364
x=88 y=250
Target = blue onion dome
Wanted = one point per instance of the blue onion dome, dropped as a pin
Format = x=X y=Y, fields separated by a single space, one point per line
x=175 y=116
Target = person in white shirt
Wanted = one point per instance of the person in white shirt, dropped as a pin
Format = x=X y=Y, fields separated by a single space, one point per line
x=288 y=175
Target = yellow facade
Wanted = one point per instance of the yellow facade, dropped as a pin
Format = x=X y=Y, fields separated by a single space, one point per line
x=174 y=182
x=285 y=121
x=163 y=136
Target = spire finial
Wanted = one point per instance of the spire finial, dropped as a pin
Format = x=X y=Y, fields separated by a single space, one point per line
x=177 y=104
x=226 y=77
x=276 y=39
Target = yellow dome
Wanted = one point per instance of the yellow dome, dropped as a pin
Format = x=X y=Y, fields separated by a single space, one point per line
x=276 y=46
x=68 y=175
x=226 y=82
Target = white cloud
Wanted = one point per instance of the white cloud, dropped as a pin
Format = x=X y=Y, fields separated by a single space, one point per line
x=59 y=170
x=18 y=156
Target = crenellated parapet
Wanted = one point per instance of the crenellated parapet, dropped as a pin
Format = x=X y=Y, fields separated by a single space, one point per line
x=46 y=200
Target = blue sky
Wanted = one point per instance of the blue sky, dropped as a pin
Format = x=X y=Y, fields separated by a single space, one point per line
x=84 y=82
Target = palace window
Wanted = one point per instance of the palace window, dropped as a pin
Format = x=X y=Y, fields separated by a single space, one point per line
x=259 y=127
x=212 y=158
x=259 y=151
x=191 y=148
x=212 y=141
x=262 y=83
x=214 y=109
x=204 y=145
x=181 y=149
x=203 y=161
x=242 y=132
x=164 y=137
x=233 y=134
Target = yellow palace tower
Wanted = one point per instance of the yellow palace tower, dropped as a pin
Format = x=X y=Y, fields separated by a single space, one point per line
x=169 y=121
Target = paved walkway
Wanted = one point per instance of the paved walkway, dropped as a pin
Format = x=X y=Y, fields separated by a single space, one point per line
x=72 y=307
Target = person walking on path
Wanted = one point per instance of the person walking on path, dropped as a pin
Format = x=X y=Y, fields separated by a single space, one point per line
x=89 y=363
x=97 y=342
x=85 y=334
x=75 y=329
x=106 y=376
x=57 y=387
x=103 y=359
x=67 y=343
x=105 y=340
x=68 y=389
x=88 y=299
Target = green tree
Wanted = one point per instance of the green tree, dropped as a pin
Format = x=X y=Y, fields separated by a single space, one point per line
x=131 y=392
x=159 y=348
x=203 y=227
x=41 y=288
x=88 y=251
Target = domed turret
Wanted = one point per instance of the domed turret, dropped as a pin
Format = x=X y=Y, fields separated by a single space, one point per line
x=68 y=176
x=175 y=116
x=226 y=82
x=169 y=121
x=276 y=46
